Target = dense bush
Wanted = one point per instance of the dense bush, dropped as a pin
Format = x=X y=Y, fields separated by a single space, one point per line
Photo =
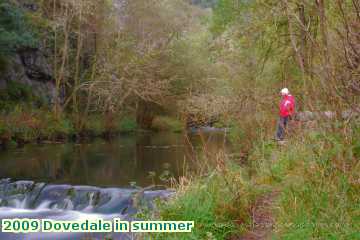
x=127 y=124
x=163 y=123
x=18 y=94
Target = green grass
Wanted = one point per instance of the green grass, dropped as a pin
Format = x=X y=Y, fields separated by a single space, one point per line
x=318 y=174
x=218 y=204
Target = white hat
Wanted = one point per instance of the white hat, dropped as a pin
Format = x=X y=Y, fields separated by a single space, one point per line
x=284 y=91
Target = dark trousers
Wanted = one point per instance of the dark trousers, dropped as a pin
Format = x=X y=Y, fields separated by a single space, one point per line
x=281 y=128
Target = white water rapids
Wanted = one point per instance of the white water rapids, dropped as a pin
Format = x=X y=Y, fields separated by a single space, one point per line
x=26 y=199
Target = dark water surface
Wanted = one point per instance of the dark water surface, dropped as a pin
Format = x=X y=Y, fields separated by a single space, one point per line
x=141 y=159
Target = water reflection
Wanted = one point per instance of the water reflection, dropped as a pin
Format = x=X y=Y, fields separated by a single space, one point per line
x=143 y=159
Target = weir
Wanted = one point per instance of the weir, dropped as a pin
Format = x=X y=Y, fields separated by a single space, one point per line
x=28 y=199
x=92 y=180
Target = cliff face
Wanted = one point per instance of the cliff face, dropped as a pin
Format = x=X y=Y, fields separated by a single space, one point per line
x=30 y=67
x=27 y=65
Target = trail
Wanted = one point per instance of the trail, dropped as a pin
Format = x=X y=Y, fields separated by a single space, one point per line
x=262 y=217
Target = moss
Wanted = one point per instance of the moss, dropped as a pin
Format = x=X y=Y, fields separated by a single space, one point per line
x=164 y=123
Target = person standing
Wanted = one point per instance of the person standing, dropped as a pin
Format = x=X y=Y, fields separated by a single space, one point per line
x=287 y=110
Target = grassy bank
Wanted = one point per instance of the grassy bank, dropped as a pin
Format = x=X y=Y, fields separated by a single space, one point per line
x=316 y=174
x=219 y=203
x=25 y=124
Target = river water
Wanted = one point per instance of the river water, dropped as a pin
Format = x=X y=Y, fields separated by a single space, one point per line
x=101 y=179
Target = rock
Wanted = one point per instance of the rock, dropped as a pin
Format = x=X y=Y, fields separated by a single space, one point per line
x=305 y=116
x=29 y=5
x=31 y=67
x=350 y=114
x=36 y=65
x=329 y=115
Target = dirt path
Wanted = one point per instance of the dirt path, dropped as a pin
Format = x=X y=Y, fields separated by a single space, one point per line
x=262 y=217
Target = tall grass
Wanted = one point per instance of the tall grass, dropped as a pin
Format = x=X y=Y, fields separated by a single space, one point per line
x=318 y=175
x=218 y=198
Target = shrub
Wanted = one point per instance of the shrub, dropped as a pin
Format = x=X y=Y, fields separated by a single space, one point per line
x=127 y=124
x=162 y=123
x=59 y=128
x=95 y=124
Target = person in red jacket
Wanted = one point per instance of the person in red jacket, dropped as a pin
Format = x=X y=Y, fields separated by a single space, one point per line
x=287 y=110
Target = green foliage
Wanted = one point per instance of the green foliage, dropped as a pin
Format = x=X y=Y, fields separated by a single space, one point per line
x=225 y=13
x=18 y=94
x=15 y=31
x=163 y=123
x=58 y=128
x=127 y=124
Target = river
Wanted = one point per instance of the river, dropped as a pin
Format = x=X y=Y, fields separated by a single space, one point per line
x=101 y=179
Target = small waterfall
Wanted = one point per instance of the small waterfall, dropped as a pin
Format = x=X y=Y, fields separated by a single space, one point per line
x=90 y=207
x=39 y=196
x=20 y=204
x=24 y=199
x=68 y=204
x=44 y=205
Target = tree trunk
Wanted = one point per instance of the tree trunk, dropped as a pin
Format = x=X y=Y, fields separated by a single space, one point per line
x=144 y=114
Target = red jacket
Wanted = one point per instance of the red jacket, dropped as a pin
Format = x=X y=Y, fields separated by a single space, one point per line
x=287 y=106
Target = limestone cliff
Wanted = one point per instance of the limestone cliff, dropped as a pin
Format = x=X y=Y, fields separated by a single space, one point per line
x=32 y=68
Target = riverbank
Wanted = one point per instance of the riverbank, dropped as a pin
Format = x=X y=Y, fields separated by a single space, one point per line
x=315 y=176
x=23 y=124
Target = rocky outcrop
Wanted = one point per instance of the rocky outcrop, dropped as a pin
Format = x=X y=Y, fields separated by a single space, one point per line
x=29 y=65
x=32 y=68
x=327 y=115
